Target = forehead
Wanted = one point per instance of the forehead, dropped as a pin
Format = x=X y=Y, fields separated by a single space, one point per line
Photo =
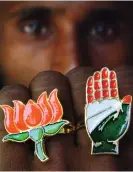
x=57 y=5
x=69 y=7
x=75 y=10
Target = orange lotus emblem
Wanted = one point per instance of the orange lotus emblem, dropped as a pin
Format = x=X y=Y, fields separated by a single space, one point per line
x=35 y=120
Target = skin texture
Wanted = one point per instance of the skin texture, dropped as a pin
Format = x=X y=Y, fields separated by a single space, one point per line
x=60 y=47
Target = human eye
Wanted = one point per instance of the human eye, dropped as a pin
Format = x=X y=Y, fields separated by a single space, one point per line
x=104 y=27
x=104 y=32
x=36 y=23
x=34 y=27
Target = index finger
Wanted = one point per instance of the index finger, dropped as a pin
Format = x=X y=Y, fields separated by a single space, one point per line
x=13 y=156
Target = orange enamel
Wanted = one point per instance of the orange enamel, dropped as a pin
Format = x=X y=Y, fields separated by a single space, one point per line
x=127 y=99
x=89 y=90
x=97 y=85
x=105 y=93
x=112 y=75
x=104 y=73
x=46 y=108
x=90 y=99
x=9 y=119
x=114 y=93
x=97 y=94
x=32 y=114
x=56 y=106
x=113 y=84
x=19 y=108
x=90 y=81
x=97 y=76
x=105 y=84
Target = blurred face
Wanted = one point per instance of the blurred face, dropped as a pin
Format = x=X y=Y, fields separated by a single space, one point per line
x=60 y=36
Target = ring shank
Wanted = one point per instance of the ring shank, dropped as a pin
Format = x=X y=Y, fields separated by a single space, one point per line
x=71 y=128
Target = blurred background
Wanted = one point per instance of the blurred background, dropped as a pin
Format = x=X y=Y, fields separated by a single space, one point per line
x=38 y=36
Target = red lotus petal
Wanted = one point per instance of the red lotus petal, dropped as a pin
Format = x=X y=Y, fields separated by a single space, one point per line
x=56 y=106
x=32 y=114
x=9 y=119
x=46 y=108
x=19 y=115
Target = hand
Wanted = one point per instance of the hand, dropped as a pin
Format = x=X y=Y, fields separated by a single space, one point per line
x=107 y=117
x=65 y=152
x=20 y=156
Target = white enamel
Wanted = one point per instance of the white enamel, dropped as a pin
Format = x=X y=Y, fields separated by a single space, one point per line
x=96 y=112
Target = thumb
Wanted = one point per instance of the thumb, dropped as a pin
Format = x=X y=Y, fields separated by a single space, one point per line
x=127 y=99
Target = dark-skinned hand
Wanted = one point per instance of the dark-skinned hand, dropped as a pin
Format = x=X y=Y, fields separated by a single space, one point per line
x=70 y=151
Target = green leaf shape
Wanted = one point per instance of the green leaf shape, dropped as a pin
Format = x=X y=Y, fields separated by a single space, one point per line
x=36 y=134
x=53 y=129
x=20 y=137
x=113 y=129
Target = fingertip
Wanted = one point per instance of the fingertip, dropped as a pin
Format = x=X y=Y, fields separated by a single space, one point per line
x=112 y=74
x=90 y=81
x=105 y=73
x=127 y=99
x=97 y=75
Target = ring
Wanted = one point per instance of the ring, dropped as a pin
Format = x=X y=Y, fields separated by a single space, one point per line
x=36 y=121
x=107 y=118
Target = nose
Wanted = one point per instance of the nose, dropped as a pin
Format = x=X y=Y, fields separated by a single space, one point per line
x=65 y=53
